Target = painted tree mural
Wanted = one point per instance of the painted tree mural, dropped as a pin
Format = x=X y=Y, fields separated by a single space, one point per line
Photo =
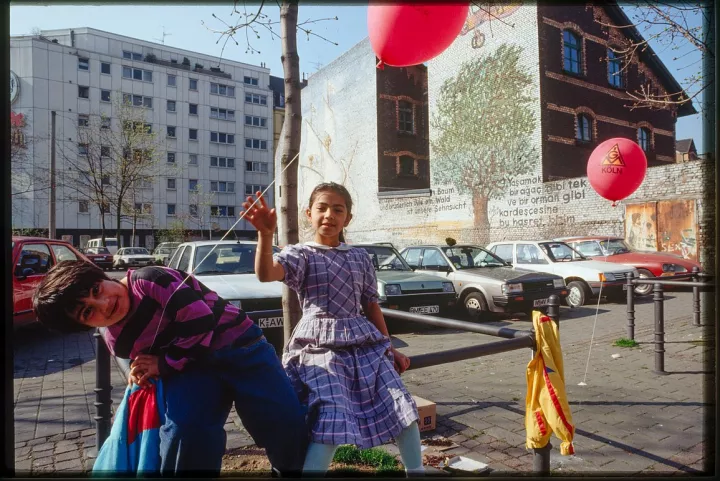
x=484 y=123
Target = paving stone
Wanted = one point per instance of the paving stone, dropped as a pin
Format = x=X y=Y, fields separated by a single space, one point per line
x=36 y=441
x=72 y=435
x=44 y=461
x=71 y=465
x=65 y=447
x=67 y=456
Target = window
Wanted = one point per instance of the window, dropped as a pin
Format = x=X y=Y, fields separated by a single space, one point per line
x=193 y=109
x=83 y=92
x=222 y=114
x=193 y=210
x=104 y=123
x=193 y=84
x=132 y=55
x=250 y=80
x=171 y=184
x=615 y=77
x=407 y=166
x=584 y=132
x=138 y=126
x=171 y=80
x=572 y=51
x=171 y=106
x=171 y=209
x=104 y=96
x=137 y=74
x=405 y=117
x=105 y=179
x=192 y=159
x=171 y=157
x=220 y=89
x=192 y=184
x=105 y=68
x=256 y=99
x=588 y=248
x=83 y=207
x=644 y=138
x=529 y=254
x=82 y=149
x=184 y=264
x=213 y=186
x=256 y=144
x=412 y=257
x=433 y=260
x=214 y=210
x=504 y=252
x=250 y=189
x=256 y=167
x=104 y=151
x=35 y=260
x=222 y=138
x=138 y=100
x=62 y=253
x=255 y=121
x=83 y=63
x=192 y=134
x=171 y=131
x=222 y=210
x=83 y=120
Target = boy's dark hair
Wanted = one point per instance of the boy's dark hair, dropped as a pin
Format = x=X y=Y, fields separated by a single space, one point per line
x=338 y=189
x=59 y=294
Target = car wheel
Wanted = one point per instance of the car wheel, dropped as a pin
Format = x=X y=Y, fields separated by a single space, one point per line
x=476 y=306
x=644 y=289
x=578 y=293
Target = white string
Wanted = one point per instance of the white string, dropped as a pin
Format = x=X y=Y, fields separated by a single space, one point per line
x=232 y=228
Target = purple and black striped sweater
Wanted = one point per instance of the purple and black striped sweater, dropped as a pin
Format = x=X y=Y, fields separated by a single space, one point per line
x=196 y=320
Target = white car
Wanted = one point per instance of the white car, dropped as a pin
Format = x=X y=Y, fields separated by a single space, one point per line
x=583 y=277
x=132 y=257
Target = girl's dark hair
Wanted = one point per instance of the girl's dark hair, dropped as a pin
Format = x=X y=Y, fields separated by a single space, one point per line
x=59 y=294
x=338 y=189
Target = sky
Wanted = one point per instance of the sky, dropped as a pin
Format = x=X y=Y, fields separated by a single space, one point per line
x=184 y=28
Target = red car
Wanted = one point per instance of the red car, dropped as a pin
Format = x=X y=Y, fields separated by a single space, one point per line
x=32 y=258
x=648 y=264
x=100 y=256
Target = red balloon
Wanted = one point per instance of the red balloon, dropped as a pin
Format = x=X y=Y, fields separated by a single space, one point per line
x=410 y=34
x=616 y=168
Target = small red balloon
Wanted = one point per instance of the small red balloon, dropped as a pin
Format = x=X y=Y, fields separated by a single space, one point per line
x=410 y=34
x=616 y=168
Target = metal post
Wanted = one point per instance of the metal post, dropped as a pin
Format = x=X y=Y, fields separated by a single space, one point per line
x=630 y=305
x=553 y=310
x=541 y=460
x=696 y=297
x=51 y=206
x=103 y=401
x=659 y=299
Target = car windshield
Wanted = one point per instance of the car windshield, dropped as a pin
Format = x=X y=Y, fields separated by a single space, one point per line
x=164 y=250
x=100 y=250
x=224 y=259
x=615 y=246
x=134 y=251
x=386 y=258
x=561 y=252
x=470 y=257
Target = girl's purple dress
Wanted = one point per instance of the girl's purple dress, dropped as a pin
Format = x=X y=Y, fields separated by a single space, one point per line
x=337 y=360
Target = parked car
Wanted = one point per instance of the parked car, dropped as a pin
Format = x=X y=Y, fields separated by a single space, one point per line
x=167 y=244
x=648 y=264
x=32 y=259
x=484 y=282
x=100 y=256
x=162 y=254
x=582 y=275
x=229 y=270
x=110 y=242
x=401 y=288
x=132 y=257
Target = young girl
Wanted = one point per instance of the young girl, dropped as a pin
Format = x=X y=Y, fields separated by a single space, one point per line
x=207 y=352
x=339 y=358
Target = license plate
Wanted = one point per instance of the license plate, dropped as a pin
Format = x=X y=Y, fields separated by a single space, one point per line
x=101 y=258
x=541 y=302
x=267 y=322
x=425 y=310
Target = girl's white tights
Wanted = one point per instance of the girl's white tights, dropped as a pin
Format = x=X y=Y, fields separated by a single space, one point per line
x=319 y=456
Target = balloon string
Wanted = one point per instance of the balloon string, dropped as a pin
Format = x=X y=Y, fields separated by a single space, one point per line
x=380 y=65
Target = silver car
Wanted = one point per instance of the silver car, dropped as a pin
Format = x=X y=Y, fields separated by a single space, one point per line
x=484 y=282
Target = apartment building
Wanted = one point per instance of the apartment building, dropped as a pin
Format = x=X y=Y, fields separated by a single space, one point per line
x=213 y=118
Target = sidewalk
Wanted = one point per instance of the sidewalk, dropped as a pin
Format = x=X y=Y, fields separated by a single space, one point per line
x=628 y=419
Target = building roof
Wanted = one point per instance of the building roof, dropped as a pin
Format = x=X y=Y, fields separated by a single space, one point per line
x=685 y=145
x=648 y=55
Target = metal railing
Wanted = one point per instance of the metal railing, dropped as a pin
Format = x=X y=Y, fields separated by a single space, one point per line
x=514 y=339
x=658 y=284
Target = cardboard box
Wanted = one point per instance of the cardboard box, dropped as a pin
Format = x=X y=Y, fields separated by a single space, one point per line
x=427 y=414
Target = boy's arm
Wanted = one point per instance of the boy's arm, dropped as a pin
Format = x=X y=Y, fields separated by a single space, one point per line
x=267 y=269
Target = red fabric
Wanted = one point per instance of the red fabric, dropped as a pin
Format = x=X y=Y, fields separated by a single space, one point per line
x=143 y=410
x=556 y=403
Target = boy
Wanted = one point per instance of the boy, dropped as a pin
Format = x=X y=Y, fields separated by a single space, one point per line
x=207 y=352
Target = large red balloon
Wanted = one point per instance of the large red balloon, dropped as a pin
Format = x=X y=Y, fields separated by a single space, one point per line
x=410 y=34
x=616 y=168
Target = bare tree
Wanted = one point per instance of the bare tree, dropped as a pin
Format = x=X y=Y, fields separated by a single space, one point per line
x=251 y=23
x=199 y=210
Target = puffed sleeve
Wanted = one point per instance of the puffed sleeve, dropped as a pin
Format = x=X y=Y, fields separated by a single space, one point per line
x=370 y=293
x=294 y=262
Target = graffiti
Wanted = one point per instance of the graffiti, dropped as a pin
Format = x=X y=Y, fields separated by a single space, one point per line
x=666 y=226
x=481 y=14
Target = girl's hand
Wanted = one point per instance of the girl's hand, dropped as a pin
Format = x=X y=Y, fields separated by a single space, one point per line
x=262 y=218
x=143 y=368
x=402 y=362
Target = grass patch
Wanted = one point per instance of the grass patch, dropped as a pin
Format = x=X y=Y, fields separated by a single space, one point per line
x=516 y=399
x=377 y=458
x=623 y=342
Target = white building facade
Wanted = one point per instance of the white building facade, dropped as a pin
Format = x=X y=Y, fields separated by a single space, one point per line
x=213 y=118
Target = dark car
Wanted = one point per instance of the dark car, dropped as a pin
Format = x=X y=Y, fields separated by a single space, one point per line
x=100 y=256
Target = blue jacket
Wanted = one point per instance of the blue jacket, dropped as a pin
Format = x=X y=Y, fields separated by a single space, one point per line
x=133 y=446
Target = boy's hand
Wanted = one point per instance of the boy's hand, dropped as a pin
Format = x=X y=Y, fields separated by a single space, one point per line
x=402 y=362
x=143 y=368
x=262 y=218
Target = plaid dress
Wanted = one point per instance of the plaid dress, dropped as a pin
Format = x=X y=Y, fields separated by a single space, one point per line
x=337 y=359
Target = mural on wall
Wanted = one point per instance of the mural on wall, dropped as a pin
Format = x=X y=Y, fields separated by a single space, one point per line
x=666 y=226
x=480 y=14
x=641 y=226
x=484 y=120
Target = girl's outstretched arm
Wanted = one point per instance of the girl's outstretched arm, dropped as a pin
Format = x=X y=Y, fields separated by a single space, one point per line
x=265 y=221
x=375 y=315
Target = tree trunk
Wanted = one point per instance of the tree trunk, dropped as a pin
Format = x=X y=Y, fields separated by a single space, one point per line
x=119 y=224
x=480 y=211
x=289 y=147
x=102 y=228
x=134 y=225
